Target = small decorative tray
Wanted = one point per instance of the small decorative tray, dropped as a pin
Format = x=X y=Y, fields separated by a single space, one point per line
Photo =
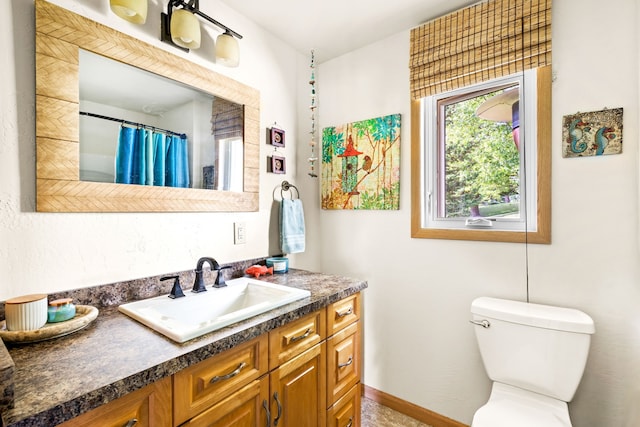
x=85 y=314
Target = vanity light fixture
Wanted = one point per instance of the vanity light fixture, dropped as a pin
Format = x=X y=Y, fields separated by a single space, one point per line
x=227 y=50
x=134 y=11
x=181 y=28
x=185 y=29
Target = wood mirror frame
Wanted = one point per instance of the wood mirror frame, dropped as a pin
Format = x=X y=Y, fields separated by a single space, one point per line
x=59 y=36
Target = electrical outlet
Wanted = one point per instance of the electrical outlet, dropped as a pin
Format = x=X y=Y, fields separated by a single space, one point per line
x=239 y=233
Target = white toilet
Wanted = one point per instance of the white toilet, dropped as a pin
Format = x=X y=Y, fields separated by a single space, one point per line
x=535 y=355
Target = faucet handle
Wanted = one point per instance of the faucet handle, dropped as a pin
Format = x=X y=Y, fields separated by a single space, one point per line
x=220 y=283
x=176 y=291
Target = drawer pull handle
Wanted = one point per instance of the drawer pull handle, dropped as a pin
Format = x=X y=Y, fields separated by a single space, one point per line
x=265 y=405
x=350 y=422
x=131 y=422
x=303 y=336
x=347 y=363
x=229 y=375
x=275 y=396
x=345 y=313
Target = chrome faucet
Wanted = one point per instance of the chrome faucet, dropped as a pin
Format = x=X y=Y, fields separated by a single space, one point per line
x=198 y=284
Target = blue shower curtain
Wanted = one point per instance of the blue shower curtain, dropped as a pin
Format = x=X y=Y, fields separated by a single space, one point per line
x=130 y=156
x=139 y=170
x=177 y=163
x=124 y=155
x=152 y=158
x=148 y=142
x=159 y=155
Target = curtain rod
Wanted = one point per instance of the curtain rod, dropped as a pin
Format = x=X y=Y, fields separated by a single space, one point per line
x=113 y=119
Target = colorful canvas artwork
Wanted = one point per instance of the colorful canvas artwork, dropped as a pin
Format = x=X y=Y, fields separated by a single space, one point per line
x=361 y=164
x=592 y=134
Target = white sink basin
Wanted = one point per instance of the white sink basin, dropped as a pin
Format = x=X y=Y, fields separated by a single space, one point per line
x=182 y=319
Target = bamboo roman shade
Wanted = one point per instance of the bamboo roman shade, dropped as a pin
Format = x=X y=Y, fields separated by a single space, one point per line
x=227 y=119
x=481 y=42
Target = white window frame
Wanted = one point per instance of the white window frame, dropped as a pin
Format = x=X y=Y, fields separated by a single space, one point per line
x=431 y=195
x=538 y=166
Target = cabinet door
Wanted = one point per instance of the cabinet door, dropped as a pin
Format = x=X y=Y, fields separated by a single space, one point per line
x=343 y=364
x=346 y=411
x=149 y=406
x=248 y=407
x=298 y=390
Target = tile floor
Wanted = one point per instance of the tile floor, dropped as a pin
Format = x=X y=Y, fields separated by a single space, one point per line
x=376 y=415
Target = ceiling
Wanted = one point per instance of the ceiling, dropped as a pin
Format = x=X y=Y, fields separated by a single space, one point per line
x=335 y=27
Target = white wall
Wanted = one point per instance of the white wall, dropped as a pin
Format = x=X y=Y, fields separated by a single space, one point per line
x=44 y=252
x=419 y=345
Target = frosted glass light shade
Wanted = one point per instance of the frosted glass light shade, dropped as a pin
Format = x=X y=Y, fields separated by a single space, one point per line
x=130 y=10
x=227 y=50
x=185 y=29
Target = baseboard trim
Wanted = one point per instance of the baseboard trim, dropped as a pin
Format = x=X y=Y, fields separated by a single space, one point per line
x=414 y=411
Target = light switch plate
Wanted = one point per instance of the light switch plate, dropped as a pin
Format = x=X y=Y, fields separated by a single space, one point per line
x=239 y=233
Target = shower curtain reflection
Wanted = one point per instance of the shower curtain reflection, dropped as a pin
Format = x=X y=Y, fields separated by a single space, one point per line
x=147 y=157
x=158 y=158
x=177 y=163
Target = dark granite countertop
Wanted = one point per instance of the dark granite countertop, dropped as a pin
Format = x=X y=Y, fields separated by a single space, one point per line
x=59 y=379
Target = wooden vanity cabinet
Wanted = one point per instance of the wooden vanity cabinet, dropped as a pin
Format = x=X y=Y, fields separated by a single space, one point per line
x=149 y=406
x=305 y=373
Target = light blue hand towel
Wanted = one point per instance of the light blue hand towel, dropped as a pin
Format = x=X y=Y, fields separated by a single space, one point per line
x=291 y=226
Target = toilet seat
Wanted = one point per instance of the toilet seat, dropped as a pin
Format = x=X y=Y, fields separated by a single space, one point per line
x=510 y=406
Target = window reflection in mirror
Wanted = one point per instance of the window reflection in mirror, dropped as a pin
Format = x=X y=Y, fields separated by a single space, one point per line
x=140 y=128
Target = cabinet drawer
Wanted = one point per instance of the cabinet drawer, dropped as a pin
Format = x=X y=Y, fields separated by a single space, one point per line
x=149 y=406
x=343 y=313
x=292 y=339
x=346 y=411
x=343 y=364
x=198 y=387
x=246 y=407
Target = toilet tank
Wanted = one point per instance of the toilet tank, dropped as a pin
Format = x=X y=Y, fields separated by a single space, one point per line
x=536 y=347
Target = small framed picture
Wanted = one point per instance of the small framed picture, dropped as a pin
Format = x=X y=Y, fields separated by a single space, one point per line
x=278 y=164
x=276 y=137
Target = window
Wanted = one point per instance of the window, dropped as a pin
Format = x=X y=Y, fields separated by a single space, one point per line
x=457 y=62
x=474 y=162
x=473 y=159
x=477 y=178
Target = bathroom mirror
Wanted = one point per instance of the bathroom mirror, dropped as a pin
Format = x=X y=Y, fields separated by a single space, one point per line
x=190 y=138
x=62 y=38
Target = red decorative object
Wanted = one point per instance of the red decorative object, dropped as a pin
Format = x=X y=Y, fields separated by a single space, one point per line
x=258 y=270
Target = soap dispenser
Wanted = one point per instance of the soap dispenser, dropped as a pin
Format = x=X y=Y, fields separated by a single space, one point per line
x=176 y=291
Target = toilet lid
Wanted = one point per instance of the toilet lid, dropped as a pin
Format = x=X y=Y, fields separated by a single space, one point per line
x=509 y=414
